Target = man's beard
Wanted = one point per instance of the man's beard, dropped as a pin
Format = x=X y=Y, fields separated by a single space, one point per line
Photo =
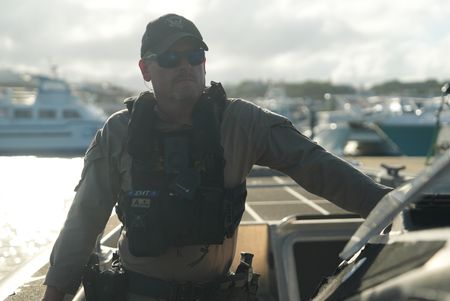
x=188 y=94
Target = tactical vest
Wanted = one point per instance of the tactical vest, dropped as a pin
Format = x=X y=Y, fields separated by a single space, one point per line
x=178 y=196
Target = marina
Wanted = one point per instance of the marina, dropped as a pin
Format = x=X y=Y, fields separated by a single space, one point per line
x=53 y=128
x=365 y=80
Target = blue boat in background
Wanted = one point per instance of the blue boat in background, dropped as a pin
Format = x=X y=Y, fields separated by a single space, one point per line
x=412 y=129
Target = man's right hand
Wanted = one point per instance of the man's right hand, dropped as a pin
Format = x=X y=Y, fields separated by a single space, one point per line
x=53 y=294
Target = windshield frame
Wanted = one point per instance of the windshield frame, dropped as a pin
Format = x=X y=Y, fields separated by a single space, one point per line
x=393 y=203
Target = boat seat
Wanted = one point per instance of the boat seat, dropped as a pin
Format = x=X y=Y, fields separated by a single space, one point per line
x=305 y=250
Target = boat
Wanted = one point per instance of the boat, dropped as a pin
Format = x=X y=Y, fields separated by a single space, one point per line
x=411 y=128
x=292 y=254
x=51 y=121
x=299 y=255
x=293 y=108
x=353 y=139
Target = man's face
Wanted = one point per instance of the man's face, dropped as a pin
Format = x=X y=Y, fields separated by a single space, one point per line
x=179 y=85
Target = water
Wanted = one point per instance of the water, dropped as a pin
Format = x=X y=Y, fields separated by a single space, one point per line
x=35 y=195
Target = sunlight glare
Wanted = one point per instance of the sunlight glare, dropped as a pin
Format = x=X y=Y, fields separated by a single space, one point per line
x=35 y=197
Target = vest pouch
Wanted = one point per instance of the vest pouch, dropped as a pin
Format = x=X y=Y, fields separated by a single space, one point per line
x=182 y=220
x=196 y=221
x=145 y=230
x=211 y=220
x=186 y=184
x=104 y=283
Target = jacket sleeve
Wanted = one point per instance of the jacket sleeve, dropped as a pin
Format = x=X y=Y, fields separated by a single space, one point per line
x=90 y=211
x=285 y=149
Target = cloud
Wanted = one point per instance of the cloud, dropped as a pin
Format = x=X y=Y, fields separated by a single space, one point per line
x=347 y=41
x=358 y=42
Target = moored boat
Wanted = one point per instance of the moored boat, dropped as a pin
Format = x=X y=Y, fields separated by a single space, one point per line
x=53 y=121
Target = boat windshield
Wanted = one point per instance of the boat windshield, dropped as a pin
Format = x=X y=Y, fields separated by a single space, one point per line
x=433 y=180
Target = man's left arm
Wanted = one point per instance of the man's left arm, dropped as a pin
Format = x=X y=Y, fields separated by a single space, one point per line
x=316 y=170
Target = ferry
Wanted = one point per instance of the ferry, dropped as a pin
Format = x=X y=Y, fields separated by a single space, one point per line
x=53 y=121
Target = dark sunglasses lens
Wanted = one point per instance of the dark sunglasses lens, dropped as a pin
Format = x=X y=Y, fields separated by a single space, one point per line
x=173 y=59
x=196 y=57
x=169 y=59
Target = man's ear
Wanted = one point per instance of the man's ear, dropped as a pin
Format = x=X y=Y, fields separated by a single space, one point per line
x=144 y=71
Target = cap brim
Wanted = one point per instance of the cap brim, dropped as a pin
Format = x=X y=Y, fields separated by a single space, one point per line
x=169 y=41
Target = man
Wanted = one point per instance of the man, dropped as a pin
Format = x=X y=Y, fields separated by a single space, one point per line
x=176 y=162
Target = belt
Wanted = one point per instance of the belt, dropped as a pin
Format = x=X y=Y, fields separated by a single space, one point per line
x=169 y=290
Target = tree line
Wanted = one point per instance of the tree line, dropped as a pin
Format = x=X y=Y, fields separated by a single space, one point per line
x=317 y=89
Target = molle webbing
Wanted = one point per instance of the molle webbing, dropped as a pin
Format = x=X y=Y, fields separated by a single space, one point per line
x=184 y=203
x=142 y=126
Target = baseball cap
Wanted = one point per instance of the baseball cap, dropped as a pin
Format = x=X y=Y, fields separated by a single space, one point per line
x=163 y=32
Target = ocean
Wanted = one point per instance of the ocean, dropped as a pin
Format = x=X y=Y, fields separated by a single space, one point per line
x=35 y=196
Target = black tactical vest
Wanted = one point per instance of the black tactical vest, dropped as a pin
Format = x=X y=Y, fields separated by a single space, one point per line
x=178 y=196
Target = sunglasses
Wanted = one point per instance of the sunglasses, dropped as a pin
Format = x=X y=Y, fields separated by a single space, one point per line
x=172 y=59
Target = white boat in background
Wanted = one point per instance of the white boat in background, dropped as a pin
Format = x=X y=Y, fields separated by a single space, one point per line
x=53 y=121
x=294 y=108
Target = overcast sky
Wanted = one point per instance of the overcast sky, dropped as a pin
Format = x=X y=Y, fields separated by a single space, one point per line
x=359 y=42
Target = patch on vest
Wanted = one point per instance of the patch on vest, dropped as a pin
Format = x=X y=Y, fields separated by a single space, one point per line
x=140 y=203
x=141 y=198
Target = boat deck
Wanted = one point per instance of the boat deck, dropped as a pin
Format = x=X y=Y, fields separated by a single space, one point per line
x=271 y=197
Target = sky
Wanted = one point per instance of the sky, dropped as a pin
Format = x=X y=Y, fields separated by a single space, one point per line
x=357 y=42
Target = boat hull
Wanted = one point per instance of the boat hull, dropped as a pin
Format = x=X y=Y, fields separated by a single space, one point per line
x=70 y=138
x=412 y=139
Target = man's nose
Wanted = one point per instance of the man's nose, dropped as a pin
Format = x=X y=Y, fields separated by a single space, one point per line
x=184 y=62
